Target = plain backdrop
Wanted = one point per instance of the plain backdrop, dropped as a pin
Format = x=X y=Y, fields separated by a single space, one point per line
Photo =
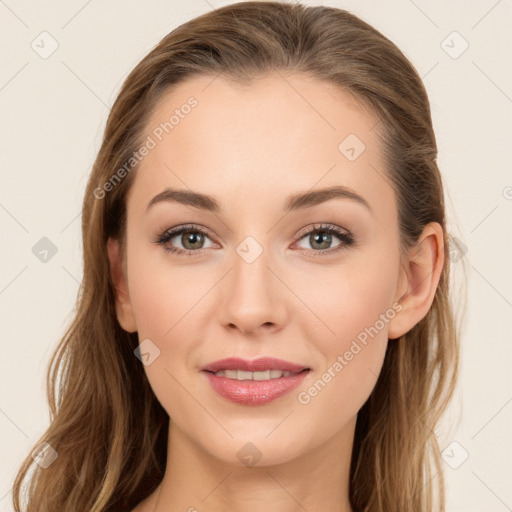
x=53 y=111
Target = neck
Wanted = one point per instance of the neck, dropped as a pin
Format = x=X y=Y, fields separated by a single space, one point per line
x=195 y=480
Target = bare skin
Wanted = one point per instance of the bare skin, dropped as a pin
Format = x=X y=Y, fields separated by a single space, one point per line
x=250 y=147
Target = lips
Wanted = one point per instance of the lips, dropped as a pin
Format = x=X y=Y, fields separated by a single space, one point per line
x=257 y=365
x=255 y=382
x=254 y=392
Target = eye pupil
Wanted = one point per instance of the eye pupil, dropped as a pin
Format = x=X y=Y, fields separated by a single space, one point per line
x=321 y=237
x=190 y=237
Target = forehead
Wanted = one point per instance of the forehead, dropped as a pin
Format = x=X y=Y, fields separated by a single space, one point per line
x=261 y=141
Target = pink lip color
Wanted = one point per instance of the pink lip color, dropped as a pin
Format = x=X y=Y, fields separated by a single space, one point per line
x=252 y=392
x=256 y=365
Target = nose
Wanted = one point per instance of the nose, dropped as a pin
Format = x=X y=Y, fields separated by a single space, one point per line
x=253 y=297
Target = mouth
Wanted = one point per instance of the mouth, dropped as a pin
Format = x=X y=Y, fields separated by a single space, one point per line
x=237 y=374
x=256 y=382
x=245 y=368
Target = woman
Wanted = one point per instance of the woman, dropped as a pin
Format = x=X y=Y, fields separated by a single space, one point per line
x=264 y=321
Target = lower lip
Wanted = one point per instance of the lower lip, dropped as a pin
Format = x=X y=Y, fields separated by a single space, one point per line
x=254 y=392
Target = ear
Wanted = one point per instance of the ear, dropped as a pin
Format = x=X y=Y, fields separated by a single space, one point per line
x=124 y=308
x=419 y=280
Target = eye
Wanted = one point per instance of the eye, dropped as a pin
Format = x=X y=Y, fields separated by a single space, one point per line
x=191 y=238
x=320 y=238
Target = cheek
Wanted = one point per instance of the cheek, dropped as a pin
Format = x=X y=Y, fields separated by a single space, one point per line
x=171 y=307
x=351 y=357
x=345 y=300
x=338 y=391
x=163 y=295
x=355 y=307
x=167 y=307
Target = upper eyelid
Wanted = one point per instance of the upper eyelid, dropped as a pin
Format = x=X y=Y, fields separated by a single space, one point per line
x=319 y=226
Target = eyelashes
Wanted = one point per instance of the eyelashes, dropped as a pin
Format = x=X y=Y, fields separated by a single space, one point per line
x=318 y=234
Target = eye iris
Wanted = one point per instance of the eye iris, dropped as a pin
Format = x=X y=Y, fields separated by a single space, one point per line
x=190 y=237
x=323 y=238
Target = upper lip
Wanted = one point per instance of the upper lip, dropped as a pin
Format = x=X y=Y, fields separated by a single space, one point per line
x=257 y=365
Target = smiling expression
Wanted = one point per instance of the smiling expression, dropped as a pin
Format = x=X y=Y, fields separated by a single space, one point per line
x=253 y=231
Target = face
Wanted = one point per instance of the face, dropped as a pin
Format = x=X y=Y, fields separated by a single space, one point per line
x=316 y=284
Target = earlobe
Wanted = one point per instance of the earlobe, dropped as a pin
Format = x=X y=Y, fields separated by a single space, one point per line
x=420 y=276
x=124 y=309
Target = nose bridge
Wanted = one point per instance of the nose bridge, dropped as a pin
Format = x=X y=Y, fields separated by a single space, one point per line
x=253 y=294
x=251 y=277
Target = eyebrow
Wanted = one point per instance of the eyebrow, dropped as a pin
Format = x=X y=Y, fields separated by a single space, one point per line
x=294 y=202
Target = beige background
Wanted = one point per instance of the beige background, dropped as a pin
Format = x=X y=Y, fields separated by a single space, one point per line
x=53 y=111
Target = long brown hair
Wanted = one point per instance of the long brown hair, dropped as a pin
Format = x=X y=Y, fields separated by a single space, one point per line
x=107 y=427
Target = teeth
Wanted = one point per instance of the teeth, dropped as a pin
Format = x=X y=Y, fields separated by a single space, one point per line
x=244 y=375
